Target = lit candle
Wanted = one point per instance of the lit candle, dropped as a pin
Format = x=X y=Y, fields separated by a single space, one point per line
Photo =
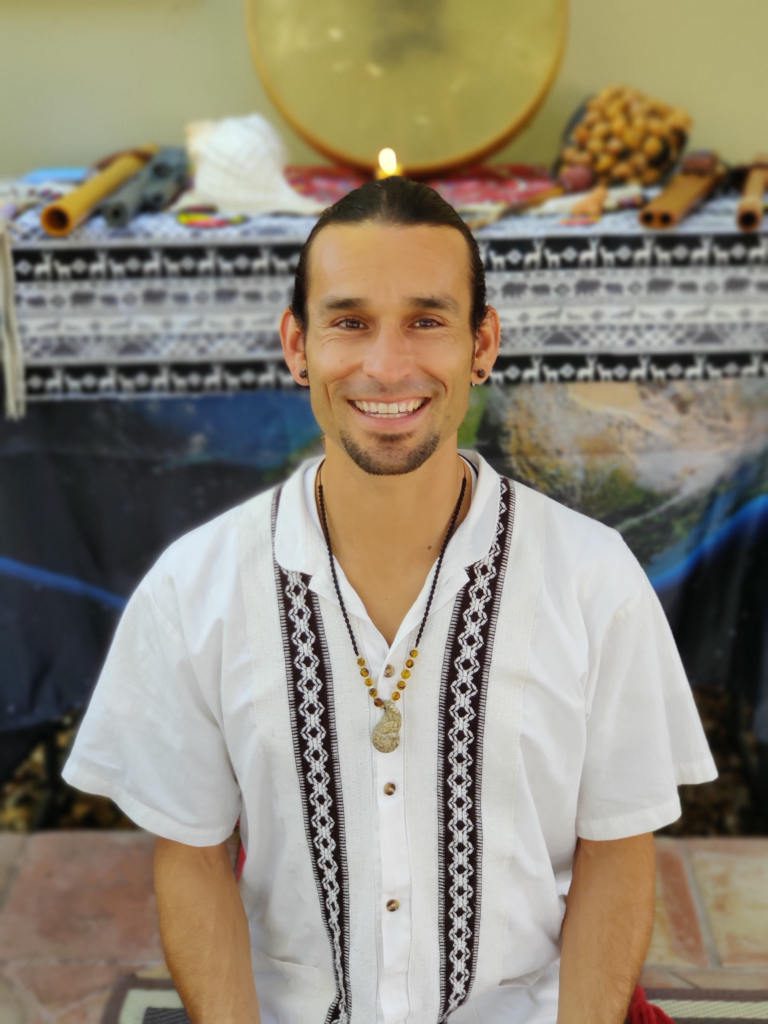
x=388 y=164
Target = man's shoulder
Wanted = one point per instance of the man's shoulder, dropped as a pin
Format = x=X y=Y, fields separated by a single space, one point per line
x=576 y=525
x=213 y=539
x=207 y=556
x=583 y=551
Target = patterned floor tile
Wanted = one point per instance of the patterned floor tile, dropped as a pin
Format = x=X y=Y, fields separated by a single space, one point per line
x=732 y=876
x=83 y=896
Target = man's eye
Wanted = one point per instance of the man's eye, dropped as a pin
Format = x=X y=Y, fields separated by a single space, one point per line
x=426 y=321
x=350 y=323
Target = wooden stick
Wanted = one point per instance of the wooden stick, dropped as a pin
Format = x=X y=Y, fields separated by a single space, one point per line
x=700 y=174
x=749 y=215
x=63 y=216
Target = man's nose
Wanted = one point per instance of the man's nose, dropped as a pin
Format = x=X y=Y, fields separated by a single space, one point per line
x=388 y=356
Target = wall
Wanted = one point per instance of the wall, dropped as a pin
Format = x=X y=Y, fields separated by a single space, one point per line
x=79 y=78
x=705 y=55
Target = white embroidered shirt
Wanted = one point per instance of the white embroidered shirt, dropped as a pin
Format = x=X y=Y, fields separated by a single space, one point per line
x=548 y=702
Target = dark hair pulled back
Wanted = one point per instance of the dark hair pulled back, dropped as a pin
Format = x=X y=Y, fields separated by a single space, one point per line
x=393 y=200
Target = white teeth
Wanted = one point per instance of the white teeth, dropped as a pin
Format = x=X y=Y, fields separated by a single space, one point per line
x=390 y=409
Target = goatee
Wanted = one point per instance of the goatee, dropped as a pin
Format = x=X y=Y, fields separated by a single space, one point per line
x=394 y=463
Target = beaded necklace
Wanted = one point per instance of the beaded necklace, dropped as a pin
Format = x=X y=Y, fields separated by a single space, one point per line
x=386 y=734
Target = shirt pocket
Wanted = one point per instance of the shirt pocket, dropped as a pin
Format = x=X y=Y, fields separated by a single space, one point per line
x=290 y=993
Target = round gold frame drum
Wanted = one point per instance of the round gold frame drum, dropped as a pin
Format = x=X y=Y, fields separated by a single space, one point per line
x=441 y=82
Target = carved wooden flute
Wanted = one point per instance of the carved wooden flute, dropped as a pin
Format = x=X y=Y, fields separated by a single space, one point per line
x=749 y=214
x=700 y=175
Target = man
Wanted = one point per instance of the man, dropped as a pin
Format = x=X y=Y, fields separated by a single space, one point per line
x=442 y=706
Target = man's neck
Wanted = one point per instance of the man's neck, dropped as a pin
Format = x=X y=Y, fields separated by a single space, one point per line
x=387 y=531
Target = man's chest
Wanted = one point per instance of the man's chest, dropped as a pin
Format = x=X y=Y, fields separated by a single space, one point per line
x=411 y=838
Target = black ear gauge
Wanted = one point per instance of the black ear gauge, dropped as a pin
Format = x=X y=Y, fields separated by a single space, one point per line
x=303 y=372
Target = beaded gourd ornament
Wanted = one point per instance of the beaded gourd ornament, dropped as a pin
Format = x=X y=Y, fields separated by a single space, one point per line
x=621 y=137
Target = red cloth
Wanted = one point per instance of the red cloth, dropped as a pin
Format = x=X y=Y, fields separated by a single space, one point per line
x=240 y=862
x=642 y=1012
x=496 y=183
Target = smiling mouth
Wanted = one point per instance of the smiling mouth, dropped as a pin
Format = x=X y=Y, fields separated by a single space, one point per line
x=390 y=410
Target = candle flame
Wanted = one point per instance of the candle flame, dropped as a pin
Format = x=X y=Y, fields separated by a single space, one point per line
x=388 y=161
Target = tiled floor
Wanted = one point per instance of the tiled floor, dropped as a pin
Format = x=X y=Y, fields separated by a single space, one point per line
x=77 y=910
x=711 y=914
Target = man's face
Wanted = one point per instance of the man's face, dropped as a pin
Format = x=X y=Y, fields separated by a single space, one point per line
x=388 y=344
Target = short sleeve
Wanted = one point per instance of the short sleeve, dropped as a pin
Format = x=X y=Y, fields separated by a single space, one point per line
x=150 y=741
x=644 y=735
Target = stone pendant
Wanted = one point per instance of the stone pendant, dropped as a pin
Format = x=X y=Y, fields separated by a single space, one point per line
x=386 y=733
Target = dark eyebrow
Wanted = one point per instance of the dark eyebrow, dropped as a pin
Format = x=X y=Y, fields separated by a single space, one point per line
x=442 y=302
x=336 y=305
x=342 y=305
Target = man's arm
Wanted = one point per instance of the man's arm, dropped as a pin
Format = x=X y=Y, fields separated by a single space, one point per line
x=607 y=928
x=205 y=933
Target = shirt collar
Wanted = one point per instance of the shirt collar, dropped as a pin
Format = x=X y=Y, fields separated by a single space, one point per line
x=299 y=542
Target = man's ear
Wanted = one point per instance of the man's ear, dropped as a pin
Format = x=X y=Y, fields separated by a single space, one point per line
x=487 y=341
x=292 y=340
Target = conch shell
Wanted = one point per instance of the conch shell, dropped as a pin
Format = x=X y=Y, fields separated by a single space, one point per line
x=239 y=166
x=386 y=733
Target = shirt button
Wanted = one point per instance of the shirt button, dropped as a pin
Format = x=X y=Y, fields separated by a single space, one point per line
x=390 y=788
x=393 y=905
x=389 y=671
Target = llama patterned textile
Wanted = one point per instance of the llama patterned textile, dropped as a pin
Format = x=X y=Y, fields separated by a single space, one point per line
x=162 y=308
